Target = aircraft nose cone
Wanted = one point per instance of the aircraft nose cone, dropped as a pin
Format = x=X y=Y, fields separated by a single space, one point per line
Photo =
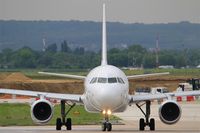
x=108 y=98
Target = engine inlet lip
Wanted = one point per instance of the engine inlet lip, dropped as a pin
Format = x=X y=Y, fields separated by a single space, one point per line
x=50 y=115
x=163 y=119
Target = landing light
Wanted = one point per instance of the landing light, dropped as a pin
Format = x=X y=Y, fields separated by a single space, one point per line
x=104 y=112
x=109 y=112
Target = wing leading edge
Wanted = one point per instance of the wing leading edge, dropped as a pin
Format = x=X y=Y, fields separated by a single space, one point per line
x=64 y=75
x=147 y=75
x=69 y=97
x=146 y=97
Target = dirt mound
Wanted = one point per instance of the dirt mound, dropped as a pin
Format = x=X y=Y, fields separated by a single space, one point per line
x=171 y=82
x=3 y=76
x=21 y=82
x=75 y=87
x=16 y=77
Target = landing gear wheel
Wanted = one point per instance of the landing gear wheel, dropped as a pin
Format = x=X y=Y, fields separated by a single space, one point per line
x=58 y=124
x=69 y=124
x=63 y=121
x=104 y=126
x=109 y=127
x=142 y=124
x=146 y=122
x=152 y=124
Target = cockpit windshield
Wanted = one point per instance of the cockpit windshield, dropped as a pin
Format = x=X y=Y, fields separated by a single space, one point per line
x=107 y=80
x=112 y=80
x=102 y=80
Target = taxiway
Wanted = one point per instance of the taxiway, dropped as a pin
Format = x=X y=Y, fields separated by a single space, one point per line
x=181 y=127
x=189 y=123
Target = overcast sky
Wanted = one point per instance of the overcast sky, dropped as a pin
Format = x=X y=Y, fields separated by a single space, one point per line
x=128 y=11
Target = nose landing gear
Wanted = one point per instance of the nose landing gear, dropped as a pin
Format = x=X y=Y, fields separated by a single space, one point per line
x=106 y=125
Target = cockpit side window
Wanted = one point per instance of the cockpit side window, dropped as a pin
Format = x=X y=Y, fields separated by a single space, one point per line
x=112 y=80
x=94 y=80
x=120 y=80
x=102 y=80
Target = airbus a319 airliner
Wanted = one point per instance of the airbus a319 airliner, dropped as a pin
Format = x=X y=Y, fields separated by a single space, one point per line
x=106 y=91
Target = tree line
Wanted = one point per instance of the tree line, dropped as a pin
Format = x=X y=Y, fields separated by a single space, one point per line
x=79 y=58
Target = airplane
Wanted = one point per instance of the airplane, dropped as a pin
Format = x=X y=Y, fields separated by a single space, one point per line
x=106 y=92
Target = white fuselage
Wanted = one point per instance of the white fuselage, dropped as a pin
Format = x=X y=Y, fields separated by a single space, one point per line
x=106 y=88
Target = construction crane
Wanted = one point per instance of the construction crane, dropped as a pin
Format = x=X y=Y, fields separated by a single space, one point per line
x=44 y=45
x=157 y=51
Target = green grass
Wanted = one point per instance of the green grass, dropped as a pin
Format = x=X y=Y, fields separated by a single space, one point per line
x=19 y=114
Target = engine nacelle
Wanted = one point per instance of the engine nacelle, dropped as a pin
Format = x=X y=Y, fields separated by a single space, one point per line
x=41 y=111
x=170 y=112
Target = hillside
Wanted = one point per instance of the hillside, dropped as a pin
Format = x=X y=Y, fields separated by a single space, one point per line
x=16 y=34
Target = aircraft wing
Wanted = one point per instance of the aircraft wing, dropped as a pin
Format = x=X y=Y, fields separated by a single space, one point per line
x=63 y=75
x=146 y=75
x=68 y=97
x=146 y=97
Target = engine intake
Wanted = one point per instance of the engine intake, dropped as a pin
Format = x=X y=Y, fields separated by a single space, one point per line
x=41 y=111
x=169 y=112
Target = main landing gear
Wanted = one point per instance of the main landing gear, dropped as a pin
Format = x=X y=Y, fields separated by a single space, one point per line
x=146 y=122
x=106 y=125
x=63 y=121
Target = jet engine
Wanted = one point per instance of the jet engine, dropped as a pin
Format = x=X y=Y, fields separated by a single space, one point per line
x=169 y=112
x=41 y=111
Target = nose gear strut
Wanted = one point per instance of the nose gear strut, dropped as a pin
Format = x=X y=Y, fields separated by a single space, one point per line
x=106 y=125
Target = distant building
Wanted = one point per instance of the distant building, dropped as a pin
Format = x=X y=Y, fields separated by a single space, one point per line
x=132 y=68
x=166 y=67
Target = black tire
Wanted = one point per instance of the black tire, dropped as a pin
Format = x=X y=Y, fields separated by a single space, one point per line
x=152 y=124
x=104 y=126
x=142 y=124
x=109 y=127
x=69 y=124
x=58 y=124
